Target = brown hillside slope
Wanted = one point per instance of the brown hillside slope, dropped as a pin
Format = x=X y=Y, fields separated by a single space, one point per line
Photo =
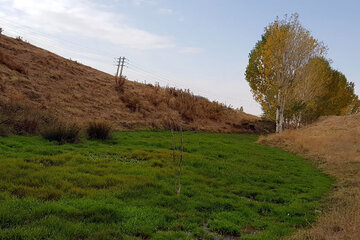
x=334 y=144
x=78 y=93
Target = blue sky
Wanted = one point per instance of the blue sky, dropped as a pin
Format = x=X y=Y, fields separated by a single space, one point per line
x=198 y=44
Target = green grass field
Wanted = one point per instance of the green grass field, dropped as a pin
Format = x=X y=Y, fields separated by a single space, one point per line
x=124 y=188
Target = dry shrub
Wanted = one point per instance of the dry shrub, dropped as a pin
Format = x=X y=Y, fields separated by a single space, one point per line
x=192 y=107
x=334 y=144
x=157 y=95
x=214 y=110
x=26 y=126
x=4 y=130
x=62 y=133
x=119 y=84
x=186 y=106
x=7 y=61
x=168 y=123
x=184 y=102
x=21 y=118
x=98 y=130
x=132 y=102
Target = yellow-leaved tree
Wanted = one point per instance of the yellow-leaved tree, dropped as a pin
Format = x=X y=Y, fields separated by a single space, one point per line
x=277 y=62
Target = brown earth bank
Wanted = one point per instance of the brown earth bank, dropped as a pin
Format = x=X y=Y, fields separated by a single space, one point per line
x=33 y=78
x=333 y=144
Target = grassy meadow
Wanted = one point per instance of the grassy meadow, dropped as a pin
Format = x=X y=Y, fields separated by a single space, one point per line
x=124 y=188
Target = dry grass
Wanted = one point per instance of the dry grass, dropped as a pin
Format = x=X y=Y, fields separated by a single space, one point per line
x=18 y=116
x=334 y=144
x=77 y=93
x=6 y=60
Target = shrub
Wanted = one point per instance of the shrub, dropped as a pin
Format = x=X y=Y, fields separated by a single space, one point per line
x=4 y=130
x=62 y=133
x=26 y=126
x=186 y=105
x=21 y=118
x=120 y=82
x=98 y=130
x=132 y=102
x=7 y=61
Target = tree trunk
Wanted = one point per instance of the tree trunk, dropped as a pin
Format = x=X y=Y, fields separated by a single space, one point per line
x=281 y=113
x=280 y=109
x=278 y=112
x=299 y=121
x=281 y=121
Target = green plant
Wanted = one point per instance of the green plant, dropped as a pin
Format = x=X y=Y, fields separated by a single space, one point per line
x=124 y=188
x=62 y=133
x=98 y=130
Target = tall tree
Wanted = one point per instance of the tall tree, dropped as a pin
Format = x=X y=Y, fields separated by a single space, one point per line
x=339 y=97
x=308 y=87
x=277 y=61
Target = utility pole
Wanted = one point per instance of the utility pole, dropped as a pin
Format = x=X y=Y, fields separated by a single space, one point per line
x=117 y=71
x=119 y=80
x=120 y=65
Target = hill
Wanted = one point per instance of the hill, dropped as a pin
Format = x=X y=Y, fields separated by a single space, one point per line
x=334 y=144
x=33 y=78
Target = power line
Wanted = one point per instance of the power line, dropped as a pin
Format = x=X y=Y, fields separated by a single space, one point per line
x=163 y=76
x=134 y=67
x=168 y=81
x=147 y=77
x=150 y=75
x=48 y=37
x=48 y=41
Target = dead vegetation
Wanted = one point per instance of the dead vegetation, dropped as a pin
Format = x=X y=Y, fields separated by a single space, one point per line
x=80 y=94
x=7 y=61
x=334 y=145
x=119 y=84
x=21 y=118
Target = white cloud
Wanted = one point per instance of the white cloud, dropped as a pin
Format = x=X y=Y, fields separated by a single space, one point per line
x=82 y=18
x=137 y=2
x=165 y=11
x=191 y=50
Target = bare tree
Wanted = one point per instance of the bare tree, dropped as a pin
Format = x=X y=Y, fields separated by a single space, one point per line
x=178 y=163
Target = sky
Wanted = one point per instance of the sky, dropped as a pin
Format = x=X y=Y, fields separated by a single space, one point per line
x=201 y=45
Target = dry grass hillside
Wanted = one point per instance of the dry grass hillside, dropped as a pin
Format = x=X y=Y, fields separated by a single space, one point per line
x=33 y=78
x=334 y=144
